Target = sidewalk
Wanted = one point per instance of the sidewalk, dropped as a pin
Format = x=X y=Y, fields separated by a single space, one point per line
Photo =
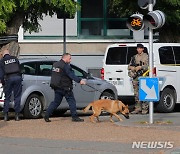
x=162 y=120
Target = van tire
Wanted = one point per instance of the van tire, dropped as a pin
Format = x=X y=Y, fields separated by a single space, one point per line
x=33 y=107
x=107 y=95
x=167 y=101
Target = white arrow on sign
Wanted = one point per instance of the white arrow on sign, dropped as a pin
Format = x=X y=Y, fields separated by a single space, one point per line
x=151 y=93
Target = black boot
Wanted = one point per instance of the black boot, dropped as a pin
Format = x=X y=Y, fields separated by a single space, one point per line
x=77 y=119
x=6 y=118
x=46 y=117
x=17 y=117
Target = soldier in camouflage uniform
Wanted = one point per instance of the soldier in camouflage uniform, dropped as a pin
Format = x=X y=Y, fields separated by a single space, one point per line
x=137 y=66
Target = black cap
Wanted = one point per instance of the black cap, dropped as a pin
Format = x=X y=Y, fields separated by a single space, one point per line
x=140 y=46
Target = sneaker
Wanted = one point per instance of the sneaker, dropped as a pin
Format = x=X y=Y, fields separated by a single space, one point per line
x=17 y=117
x=77 y=119
x=6 y=117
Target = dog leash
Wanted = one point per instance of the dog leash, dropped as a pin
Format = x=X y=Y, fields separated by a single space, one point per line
x=90 y=87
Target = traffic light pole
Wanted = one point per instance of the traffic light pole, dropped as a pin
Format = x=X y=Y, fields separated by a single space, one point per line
x=151 y=62
x=64 y=35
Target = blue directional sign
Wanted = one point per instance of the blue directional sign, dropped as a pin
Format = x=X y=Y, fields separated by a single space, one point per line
x=149 y=89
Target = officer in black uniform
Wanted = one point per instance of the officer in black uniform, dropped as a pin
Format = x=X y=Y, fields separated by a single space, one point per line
x=61 y=82
x=11 y=80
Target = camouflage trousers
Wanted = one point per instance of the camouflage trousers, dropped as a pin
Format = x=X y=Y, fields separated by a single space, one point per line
x=138 y=104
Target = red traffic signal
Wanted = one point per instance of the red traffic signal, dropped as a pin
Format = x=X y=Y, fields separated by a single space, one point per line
x=135 y=22
x=154 y=19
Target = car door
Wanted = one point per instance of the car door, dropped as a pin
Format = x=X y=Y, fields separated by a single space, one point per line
x=43 y=80
x=84 y=94
x=28 y=70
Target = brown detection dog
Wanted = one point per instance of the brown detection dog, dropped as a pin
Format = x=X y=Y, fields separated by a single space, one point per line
x=111 y=106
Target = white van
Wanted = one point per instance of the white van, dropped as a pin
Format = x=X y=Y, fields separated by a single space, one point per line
x=166 y=58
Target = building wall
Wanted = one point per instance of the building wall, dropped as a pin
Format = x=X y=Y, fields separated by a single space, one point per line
x=88 y=35
x=53 y=48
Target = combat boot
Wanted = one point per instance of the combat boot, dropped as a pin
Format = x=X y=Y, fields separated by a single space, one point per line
x=145 y=108
x=17 y=117
x=144 y=111
x=6 y=118
x=77 y=119
x=46 y=117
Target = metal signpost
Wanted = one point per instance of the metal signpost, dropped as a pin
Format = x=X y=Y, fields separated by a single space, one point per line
x=64 y=35
x=61 y=14
x=151 y=105
x=154 y=19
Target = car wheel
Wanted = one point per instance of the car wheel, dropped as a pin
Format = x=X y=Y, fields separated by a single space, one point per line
x=33 y=107
x=167 y=101
x=107 y=95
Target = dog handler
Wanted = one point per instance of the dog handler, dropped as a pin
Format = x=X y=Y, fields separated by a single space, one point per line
x=61 y=82
x=137 y=66
x=11 y=80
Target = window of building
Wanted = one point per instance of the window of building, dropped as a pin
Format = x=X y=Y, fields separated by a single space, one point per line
x=95 y=19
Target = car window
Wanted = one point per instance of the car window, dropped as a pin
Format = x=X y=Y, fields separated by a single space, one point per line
x=166 y=55
x=177 y=54
x=28 y=68
x=44 y=68
x=79 y=72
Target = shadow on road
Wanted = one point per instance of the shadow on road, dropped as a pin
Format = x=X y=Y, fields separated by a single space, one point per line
x=58 y=113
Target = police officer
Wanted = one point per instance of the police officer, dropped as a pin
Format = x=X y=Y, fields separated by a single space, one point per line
x=11 y=80
x=61 y=82
x=137 y=66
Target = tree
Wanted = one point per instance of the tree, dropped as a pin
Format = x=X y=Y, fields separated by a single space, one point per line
x=170 y=32
x=14 y=13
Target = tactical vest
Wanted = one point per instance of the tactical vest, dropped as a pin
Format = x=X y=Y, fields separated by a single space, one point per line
x=137 y=62
x=11 y=65
x=59 y=79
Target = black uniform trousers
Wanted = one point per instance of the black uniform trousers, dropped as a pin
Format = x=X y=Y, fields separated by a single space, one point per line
x=13 y=84
x=59 y=94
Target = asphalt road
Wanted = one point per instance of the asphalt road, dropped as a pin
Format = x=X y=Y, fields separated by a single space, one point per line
x=42 y=146
x=32 y=136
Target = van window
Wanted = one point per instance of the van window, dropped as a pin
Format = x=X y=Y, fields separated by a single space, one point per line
x=177 y=54
x=121 y=55
x=166 y=55
x=131 y=52
x=116 y=56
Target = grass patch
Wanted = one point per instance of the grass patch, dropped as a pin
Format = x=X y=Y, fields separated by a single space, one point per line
x=163 y=122
x=157 y=122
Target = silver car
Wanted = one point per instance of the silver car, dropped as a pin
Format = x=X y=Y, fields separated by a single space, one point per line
x=37 y=94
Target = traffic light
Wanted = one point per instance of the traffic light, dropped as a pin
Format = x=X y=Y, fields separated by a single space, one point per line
x=154 y=19
x=135 y=22
x=143 y=4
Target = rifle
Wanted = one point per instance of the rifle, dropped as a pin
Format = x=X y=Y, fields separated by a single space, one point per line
x=133 y=63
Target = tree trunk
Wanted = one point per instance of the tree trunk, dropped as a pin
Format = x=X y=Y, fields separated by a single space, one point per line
x=13 y=29
x=13 y=48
